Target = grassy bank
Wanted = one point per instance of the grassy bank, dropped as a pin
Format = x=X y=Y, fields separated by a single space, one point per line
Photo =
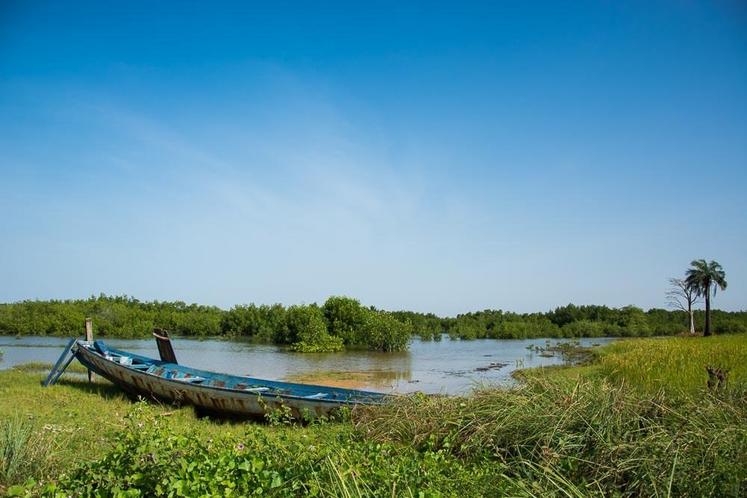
x=675 y=366
x=638 y=421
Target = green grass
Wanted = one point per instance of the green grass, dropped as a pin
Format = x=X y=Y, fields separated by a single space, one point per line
x=22 y=454
x=599 y=436
x=96 y=430
x=83 y=418
x=42 y=367
x=673 y=365
x=638 y=421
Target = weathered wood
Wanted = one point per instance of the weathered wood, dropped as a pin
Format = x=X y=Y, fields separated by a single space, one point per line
x=165 y=349
x=212 y=392
x=89 y=338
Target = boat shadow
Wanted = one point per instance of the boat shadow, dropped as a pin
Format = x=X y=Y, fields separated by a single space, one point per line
x=109 y=391
x=105 y=389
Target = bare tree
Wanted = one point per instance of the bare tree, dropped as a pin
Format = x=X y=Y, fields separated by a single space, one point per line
x=683 y=297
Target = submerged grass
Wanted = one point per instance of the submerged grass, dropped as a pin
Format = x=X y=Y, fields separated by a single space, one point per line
x=636 y=422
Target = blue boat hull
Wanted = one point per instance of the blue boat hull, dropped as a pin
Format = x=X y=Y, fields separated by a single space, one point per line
x=211 y=391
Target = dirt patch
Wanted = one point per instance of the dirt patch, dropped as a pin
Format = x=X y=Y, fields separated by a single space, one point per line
x=363 y=379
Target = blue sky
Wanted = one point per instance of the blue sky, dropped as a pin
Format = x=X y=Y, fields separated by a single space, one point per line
x=434 y=157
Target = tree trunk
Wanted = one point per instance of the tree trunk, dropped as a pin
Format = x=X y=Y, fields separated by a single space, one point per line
x=692 y=317
x=707 y=328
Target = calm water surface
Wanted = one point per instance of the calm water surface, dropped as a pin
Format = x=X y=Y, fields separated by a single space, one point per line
x=445 y=366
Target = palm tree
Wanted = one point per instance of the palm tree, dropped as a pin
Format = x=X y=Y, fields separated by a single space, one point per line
x=703 y=276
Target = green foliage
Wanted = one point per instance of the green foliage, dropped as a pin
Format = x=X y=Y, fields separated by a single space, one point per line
x=308 y=331
x=345 y=320
x=706 y=278
x=383 y=332
x=23 y=452
x=640 y=421
x=153 y=459
x=730 y=326
x=262 y=323
x=369 y=328
x=112 y=316
x=587 y=328
x=633 y=322
x=596 y=438
x=322 y=344
x=584 y=321
x=676 y=365
x=425 y=325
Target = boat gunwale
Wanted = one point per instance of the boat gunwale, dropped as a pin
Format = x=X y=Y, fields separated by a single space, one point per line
x=373 y=397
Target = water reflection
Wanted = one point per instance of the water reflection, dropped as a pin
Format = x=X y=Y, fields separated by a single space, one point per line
x=433 y=367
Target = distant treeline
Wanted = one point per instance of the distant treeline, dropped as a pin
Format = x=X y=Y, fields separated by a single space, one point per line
x=340 y=322
x=569 y=321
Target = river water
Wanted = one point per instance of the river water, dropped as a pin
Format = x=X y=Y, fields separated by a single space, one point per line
x=447 y=366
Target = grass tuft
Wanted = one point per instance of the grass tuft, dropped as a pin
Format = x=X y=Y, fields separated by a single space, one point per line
x=24 y=453
x=598 y=435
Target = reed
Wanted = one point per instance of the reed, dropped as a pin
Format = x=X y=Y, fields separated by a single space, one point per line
x=589 y=435
x=24 y=453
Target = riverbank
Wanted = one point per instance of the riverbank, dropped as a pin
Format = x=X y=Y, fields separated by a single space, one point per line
x=437 y=367
x=673 y=365
x=639 y=420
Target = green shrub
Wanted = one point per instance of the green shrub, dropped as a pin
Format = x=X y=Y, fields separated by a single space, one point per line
x=152 y=459
x=346 y=319
x=263 y=323
x=584 y=328
x=308 y=331
x=382 y=332
x=323 y=344
x=729 y=326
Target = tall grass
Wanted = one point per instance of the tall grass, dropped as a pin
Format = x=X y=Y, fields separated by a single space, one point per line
x=23 y=454
x=640 y=421
x=676 y=365
x=600 y=437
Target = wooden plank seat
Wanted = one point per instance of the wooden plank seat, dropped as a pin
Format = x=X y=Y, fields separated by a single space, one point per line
x=316 y=396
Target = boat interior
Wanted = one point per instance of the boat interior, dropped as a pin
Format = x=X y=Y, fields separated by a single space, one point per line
x=176 y=372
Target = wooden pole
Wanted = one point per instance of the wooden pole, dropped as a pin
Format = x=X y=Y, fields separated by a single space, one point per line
x=89 y=338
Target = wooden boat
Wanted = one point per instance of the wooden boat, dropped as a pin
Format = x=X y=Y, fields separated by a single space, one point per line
x=210 y=391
